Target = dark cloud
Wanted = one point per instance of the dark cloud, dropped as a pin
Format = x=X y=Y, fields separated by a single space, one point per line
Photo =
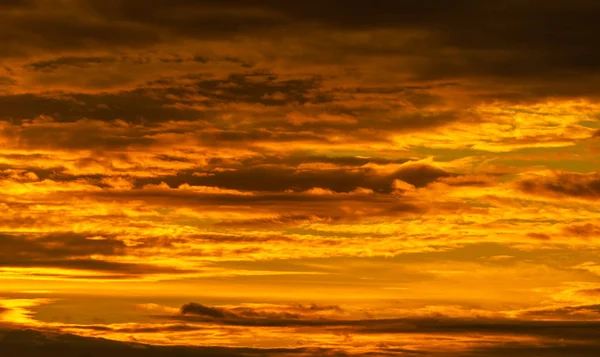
x=295 y=159
x=273 y=178
x=259 y=88
x=575 y=331
x=564 y=184
x=514 y=39
x=201 y=310
x=162 y=100
x=225 y=138
x=84 y=134
x=78 y=62
x=580 y=312
x=587 y=230
x=533 y=50
x=138 y=106
x=540 y=236
x=72 y=251
x=246 y=314
x=420 y=175
x=66 y=246
x=295 y=204
x=111 y=270
x=269 y=178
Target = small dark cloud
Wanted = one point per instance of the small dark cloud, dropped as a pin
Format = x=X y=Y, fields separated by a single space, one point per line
x=111 y=270
x=586 y=230
x=293 y=312
x=285 y=315
x=193 y=308
x=540 y=236
x=420 y=175
x=260 y=88
x=53 y=246
x=564 y=184
x=72 y=61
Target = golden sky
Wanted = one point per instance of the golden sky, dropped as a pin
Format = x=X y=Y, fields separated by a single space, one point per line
x=299 y=178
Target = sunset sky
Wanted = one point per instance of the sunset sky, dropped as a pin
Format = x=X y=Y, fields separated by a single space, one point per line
x=299 y=178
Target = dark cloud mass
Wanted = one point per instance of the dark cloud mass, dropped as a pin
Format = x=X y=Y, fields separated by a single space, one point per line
x=255 y=316
x=272 y=178
x=201 y=310
x=569 y=330
x=57 y=246
x=563 y=184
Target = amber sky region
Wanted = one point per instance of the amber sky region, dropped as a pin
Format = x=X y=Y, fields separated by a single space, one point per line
x=299 y=178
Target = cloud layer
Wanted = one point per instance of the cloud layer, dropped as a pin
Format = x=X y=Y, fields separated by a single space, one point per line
x=300 y=178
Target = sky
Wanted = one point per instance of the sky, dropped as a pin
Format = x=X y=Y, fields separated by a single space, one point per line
x=299 y=178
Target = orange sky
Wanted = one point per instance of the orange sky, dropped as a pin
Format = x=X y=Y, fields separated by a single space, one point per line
x=300 y=178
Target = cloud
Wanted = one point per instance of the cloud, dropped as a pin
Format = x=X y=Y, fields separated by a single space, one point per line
x=282 y=178
x=61 y=246
x=563 y=184
x=80 y=62
x=201 y=310
x=45 y=344
x=221 y=143
x=586 y=230
x=34 y=343
x=75 y=256
x=264 y=313
x=578 y=313
x=432 y=29
x=577 y=329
